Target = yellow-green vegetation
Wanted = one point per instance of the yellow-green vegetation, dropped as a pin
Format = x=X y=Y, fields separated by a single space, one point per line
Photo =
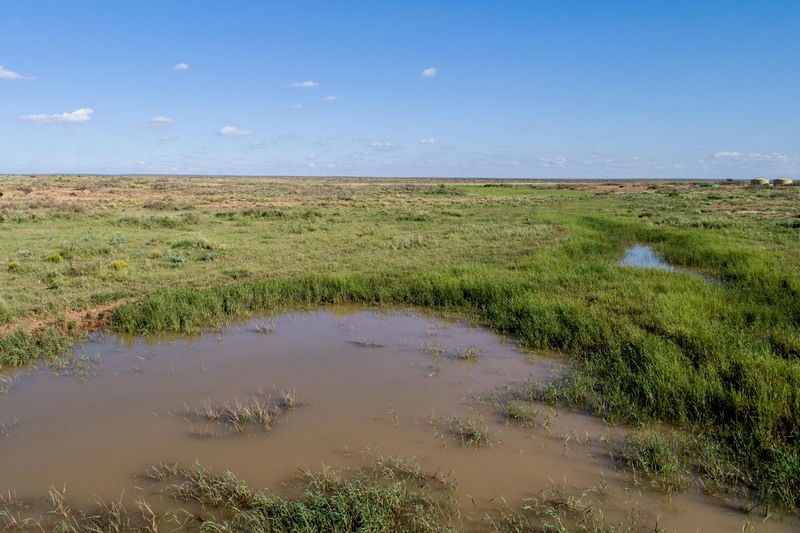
x=538 y=261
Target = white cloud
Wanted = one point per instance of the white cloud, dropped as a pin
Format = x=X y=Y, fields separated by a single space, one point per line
x=557 y=161
x=181 y=66
x=728 y=155
x=6 y=74
x=429 y=72
x=79 y=116
x=427 y=141
x=330 y=98
x=307 y=84
x=297 y=106
x=233 y=131
x=383 y=145
x=751 y=156
x=159 y=122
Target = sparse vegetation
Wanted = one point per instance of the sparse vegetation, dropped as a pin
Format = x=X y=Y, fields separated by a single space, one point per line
x=385 y=497
x=652 y=456
x=467 y=353
x=520 y=413
x=554 y=510
x=471 y=432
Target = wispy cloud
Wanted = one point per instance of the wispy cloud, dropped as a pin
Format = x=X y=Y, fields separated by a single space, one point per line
x=751 y=156
x=159 y=122
x=6 y=74
x=297 y=106
x=286 y=136
x=330 y=98
x=307 y=84
x=79 y=116
x=181 y=66
x=383 y=145
x=430 y=140
x=233 y=131
x=553 y=161
x=429 y=72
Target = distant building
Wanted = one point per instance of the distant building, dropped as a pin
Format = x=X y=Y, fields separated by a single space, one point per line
x=759 y=182
x=780 y=182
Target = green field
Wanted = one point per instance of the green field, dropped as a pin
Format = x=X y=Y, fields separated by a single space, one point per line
x=719 y=359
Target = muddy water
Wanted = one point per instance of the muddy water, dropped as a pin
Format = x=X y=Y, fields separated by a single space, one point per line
x=367 y=380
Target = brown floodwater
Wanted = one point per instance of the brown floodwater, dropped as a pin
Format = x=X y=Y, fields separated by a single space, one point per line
x=369 y=382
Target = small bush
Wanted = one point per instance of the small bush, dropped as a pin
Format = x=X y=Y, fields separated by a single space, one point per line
x=238 y=273
x=14 y=266
x=55 y=257
x=118 y=265
x=175 y=258
x=190 y=218
x=53 y=279
x=405 y=243
x=193 y=243
x=5 y=312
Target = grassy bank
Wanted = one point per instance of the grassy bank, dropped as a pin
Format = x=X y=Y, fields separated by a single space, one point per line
x=719 y=354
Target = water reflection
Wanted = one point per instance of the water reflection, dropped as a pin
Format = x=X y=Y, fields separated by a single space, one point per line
x=644 y=257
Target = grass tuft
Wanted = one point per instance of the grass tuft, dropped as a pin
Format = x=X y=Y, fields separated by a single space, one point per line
x=471 y=432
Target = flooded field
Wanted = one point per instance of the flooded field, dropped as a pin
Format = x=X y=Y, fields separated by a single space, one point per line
x=336 y=387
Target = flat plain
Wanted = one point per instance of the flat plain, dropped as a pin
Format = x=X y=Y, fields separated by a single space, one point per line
x=713 y=358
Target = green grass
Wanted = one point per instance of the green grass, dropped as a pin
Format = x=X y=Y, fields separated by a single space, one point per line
x=519 y=190
x=385 y=497
x=721 y=357
x=471 y=432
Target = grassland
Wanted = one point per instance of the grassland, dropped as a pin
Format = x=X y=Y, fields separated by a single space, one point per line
x=536 y=260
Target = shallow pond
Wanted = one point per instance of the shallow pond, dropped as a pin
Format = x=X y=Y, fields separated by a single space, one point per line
x=641 y=256
x=644 y=257
x=367 y=382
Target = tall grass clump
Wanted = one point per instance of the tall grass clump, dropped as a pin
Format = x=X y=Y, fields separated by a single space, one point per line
x=371 y=499
x=20 y=347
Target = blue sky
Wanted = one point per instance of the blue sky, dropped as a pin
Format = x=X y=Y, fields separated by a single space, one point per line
x=528 y=89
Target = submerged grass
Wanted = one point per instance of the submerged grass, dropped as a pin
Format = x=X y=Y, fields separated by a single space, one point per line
x=389 y=496
x=239 y=417
x=553 y=510
x=470 y=431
